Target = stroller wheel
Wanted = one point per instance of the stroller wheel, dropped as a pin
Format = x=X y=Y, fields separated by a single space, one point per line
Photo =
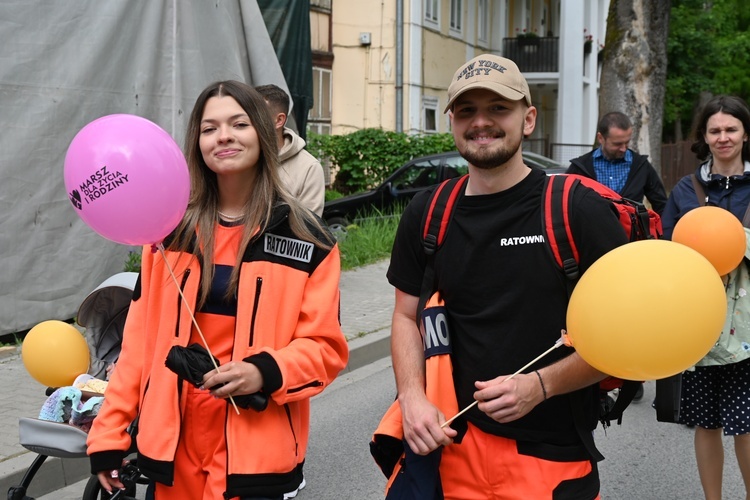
x=94 y=491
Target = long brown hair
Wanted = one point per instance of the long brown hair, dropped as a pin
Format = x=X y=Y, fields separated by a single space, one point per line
x=268 y=190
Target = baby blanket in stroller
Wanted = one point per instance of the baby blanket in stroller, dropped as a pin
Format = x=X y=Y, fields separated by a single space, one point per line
x=66 y=405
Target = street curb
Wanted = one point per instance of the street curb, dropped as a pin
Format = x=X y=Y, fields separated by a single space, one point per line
x=368 y=349
x=54 y=474
x=57 y=473
x=9 y=351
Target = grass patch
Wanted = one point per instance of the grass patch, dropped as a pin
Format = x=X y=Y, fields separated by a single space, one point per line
x=133 y=262
x=11 y=340
x=332 y=194
x=370 y=240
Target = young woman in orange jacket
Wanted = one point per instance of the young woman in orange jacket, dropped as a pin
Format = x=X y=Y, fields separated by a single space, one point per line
x=255 y=275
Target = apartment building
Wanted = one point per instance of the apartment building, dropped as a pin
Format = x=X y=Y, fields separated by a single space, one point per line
x=388 y=64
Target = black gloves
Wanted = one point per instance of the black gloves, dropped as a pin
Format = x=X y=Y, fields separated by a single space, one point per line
x=194 y=361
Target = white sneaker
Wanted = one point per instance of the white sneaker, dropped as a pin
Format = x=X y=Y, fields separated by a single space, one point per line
x=293 y=494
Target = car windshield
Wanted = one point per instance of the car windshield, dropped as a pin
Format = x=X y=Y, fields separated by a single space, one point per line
x=541 y=161
x=456 y=165
x=420 y=174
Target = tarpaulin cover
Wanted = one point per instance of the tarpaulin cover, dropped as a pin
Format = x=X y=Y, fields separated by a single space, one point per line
x=288 y=24
x=65 y=63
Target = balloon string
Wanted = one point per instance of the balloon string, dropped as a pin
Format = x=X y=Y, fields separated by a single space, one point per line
x=160 y=246
x=560 y=342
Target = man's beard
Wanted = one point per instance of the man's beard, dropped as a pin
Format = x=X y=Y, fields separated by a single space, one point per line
x=489 y=158
x=616 y=156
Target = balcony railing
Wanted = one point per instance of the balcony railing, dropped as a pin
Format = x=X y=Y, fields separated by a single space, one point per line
x=533 y=54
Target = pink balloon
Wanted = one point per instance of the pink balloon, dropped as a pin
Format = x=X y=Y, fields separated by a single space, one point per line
x=127 y=179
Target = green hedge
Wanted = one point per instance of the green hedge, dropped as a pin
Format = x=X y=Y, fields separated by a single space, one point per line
x=363 y=159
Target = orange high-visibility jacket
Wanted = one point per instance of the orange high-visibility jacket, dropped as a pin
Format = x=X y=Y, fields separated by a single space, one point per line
x=386 y=445
x=287 y=324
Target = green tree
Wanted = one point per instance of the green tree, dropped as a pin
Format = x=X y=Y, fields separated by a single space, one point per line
x=634 y=69
x=708 y=53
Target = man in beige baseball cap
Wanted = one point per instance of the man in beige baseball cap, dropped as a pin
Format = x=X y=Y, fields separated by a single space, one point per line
x=490 y=72
x=489 y=103
x=505 y=304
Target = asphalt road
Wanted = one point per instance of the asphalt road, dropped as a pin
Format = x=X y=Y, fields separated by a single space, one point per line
x=645 y=459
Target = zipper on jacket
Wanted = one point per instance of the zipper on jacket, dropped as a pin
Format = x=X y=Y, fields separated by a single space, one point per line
x=258 y=286
x=315 y=383
x=179 y=302
x=291 y=427
x=228 y=444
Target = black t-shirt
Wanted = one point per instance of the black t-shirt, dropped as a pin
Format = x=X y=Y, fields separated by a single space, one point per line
x=506 y=299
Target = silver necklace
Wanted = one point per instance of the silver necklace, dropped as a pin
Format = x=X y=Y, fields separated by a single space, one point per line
x=230 y=218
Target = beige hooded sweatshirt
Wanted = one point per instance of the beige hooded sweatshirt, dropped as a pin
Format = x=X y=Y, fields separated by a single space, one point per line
x=302 y=173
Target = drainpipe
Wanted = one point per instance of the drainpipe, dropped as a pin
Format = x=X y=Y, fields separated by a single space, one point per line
x=399 y=65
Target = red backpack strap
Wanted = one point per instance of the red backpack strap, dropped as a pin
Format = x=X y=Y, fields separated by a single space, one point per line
x=556 y=200
x=440 y=212
x=435 y=221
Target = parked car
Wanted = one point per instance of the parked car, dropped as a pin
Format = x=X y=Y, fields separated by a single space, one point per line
x=411 y=178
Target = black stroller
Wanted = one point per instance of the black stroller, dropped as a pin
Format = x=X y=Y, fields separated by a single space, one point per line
x=102 y=314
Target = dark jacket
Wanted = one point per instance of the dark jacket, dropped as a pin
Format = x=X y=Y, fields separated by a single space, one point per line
x=730 y=193
x=642 y=179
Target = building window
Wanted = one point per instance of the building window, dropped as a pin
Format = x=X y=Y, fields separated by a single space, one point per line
x=323 y=4
x=456 y=14
x=319 y=128
x=429 y=113
x=483 y=19
x=319 y=118
x=431 y=11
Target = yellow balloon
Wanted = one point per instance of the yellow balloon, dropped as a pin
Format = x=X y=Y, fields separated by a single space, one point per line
x=647 y=310
x=55 y=353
